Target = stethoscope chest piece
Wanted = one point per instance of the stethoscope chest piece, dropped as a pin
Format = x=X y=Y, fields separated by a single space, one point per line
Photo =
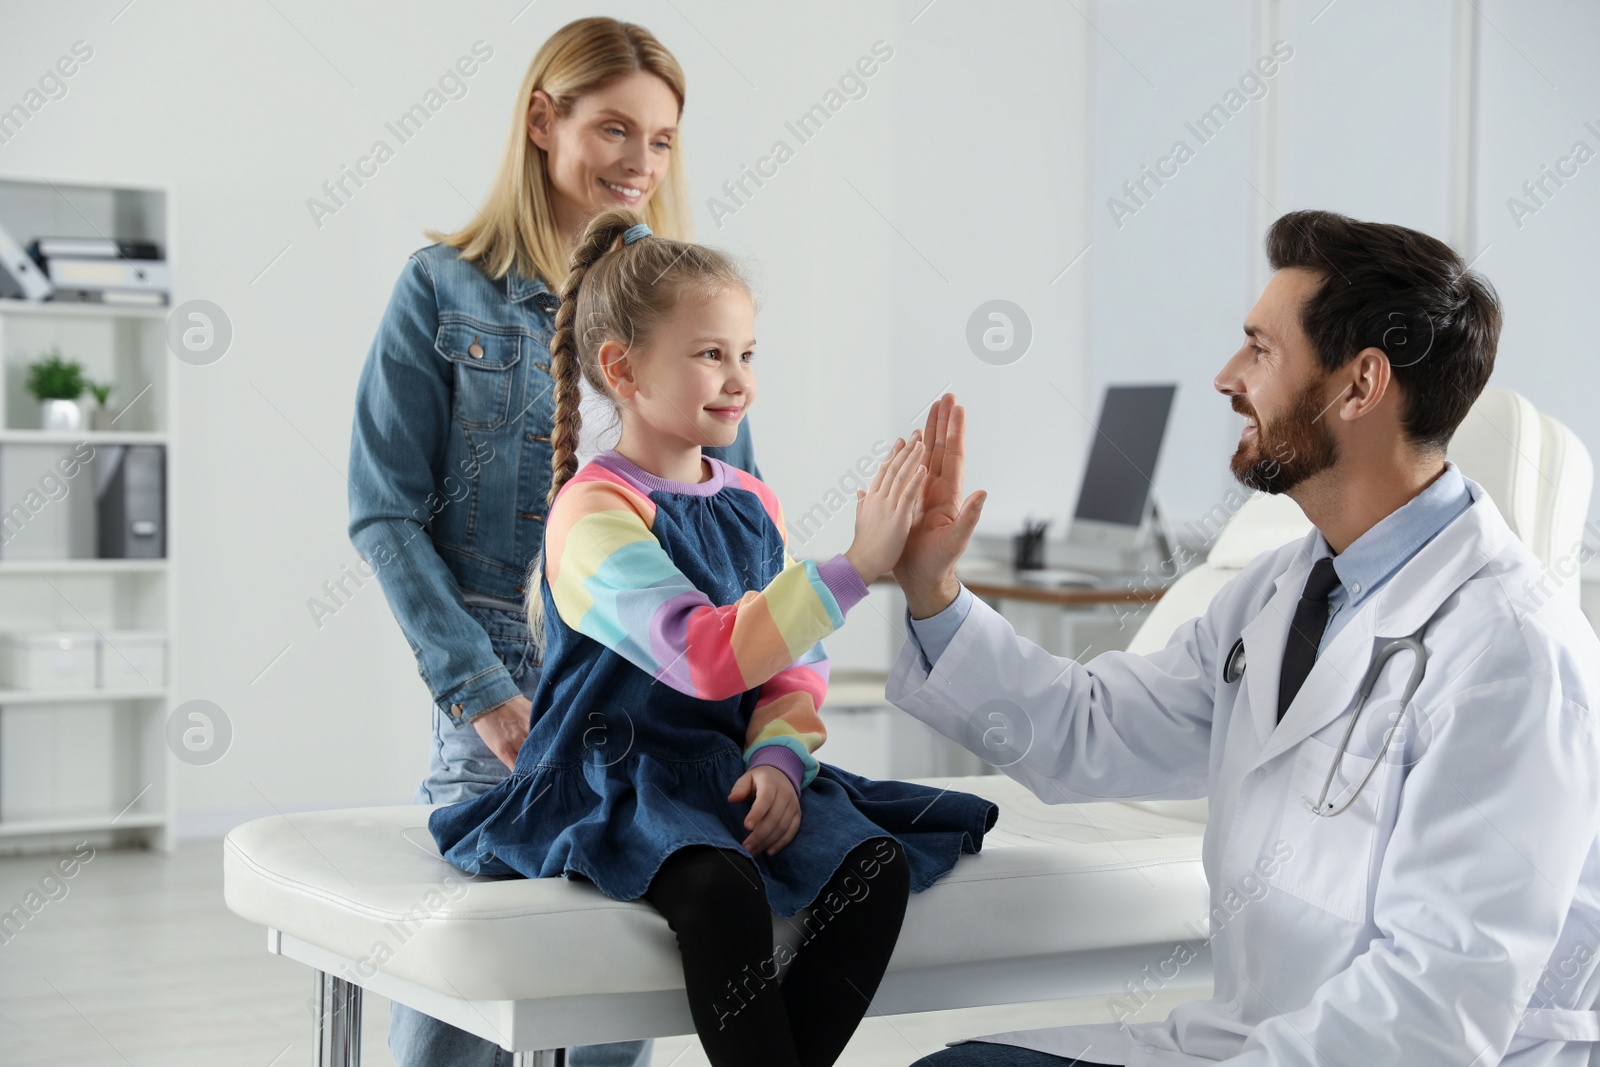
x=1233 y=667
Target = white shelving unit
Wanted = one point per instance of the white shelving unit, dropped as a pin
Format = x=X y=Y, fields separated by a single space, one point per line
x=83 y=764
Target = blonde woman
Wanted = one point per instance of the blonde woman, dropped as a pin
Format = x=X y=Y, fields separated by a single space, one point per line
x=450 y=455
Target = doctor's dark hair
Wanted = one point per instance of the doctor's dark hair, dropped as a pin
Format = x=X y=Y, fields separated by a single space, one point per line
x=1402 y=292
x=614 y=292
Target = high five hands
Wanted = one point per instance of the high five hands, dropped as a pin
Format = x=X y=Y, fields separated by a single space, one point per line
x=913 y=518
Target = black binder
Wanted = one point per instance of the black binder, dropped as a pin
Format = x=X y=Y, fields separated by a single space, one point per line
x=130 y=497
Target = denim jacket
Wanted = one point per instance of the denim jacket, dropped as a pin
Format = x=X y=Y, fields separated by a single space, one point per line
x=451 y=439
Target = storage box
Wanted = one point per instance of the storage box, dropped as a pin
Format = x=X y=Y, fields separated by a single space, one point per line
x=59 y=761
x=133 y=659
x=48 y=659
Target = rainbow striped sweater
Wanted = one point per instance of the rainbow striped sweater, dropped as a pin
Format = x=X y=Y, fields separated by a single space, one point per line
x=620 y=547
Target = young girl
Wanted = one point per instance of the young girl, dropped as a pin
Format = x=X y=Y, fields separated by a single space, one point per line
x=670 y=753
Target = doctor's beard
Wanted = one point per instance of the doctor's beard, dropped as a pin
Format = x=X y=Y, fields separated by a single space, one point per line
x=1283 y=456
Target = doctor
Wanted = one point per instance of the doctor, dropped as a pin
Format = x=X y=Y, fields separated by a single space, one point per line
x=1446 y=912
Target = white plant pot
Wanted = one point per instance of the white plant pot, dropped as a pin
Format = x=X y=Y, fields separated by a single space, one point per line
x=61 y=415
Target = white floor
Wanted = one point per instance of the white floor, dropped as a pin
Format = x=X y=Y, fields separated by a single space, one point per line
x=137 y=962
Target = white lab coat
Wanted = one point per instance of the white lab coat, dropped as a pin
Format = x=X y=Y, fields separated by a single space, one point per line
x=1413 y=928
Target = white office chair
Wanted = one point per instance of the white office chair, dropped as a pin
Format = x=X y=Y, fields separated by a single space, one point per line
x=1534 y=468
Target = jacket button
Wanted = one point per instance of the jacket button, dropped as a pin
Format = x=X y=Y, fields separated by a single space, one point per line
x=455 y=709
x=476 y=350
x=518 y=588
x=1261 y=772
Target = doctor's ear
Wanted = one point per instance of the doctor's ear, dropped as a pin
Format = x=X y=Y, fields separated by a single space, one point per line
x=1365 y=380
x=617 y=367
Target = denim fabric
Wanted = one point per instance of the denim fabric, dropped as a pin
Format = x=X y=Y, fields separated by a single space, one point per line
x=451 y=438
x=461 y=767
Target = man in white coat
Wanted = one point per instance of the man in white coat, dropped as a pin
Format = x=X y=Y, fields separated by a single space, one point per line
x=1446 y=911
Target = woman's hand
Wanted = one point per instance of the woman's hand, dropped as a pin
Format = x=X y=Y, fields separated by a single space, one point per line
x=774 y=818
x=886 y=511
x=504 y=727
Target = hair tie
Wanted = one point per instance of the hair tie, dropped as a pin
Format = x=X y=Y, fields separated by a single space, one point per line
x=633 y=233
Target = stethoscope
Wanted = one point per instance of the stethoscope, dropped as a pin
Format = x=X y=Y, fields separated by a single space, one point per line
x=1233 y=670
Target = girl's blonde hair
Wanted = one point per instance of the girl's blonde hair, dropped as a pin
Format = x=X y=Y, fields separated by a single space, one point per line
x=614 y=291
x=516 y=227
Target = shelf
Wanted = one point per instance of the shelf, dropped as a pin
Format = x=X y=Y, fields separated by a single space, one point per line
x=78 y=696
x=84 y=746
x=72 y=437
x=77 y=824
x=82 y=566
x=69 y=309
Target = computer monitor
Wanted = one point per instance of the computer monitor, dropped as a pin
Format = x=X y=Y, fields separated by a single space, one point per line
x=1122 y=465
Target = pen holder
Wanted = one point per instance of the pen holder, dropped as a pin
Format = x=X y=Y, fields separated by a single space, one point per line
x=1029 y=550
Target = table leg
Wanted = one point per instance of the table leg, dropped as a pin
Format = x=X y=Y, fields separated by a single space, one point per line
x=337 y=1037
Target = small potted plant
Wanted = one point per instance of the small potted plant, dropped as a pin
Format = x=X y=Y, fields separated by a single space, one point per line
x=57 y=383
x=102 y=417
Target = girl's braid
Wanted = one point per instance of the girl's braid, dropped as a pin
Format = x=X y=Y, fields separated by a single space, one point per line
x=602 y=235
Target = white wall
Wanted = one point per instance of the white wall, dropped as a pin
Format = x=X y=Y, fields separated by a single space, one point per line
x=977 y=166
x=1170 y=282
x=1366 y=122
x=1539 y=95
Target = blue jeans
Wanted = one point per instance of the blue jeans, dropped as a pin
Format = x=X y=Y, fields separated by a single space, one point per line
x=990 y=1054
x=461 y=767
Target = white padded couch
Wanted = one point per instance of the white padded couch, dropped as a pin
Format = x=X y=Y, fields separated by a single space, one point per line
x=544 y=963
x=362 y=897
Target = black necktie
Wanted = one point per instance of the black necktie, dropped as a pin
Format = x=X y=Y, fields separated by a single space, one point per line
x=1305 y=632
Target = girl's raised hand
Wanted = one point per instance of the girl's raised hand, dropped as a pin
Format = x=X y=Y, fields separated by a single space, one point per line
x=885 y=512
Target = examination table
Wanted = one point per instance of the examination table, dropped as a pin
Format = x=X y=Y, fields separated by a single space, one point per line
x=1064 y=900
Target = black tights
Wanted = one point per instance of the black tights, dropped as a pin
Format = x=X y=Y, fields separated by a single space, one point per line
x=714 y=901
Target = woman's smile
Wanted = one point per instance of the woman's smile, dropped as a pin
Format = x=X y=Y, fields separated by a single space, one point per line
x=625 y=194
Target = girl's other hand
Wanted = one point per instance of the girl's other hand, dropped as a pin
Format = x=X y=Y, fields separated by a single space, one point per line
x=774 y=818
x=885 y=512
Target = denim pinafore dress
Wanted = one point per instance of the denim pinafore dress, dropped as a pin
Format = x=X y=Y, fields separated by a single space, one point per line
x=620 y=769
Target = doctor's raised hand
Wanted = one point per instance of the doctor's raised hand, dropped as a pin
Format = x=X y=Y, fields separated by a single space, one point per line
x=926 y=570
